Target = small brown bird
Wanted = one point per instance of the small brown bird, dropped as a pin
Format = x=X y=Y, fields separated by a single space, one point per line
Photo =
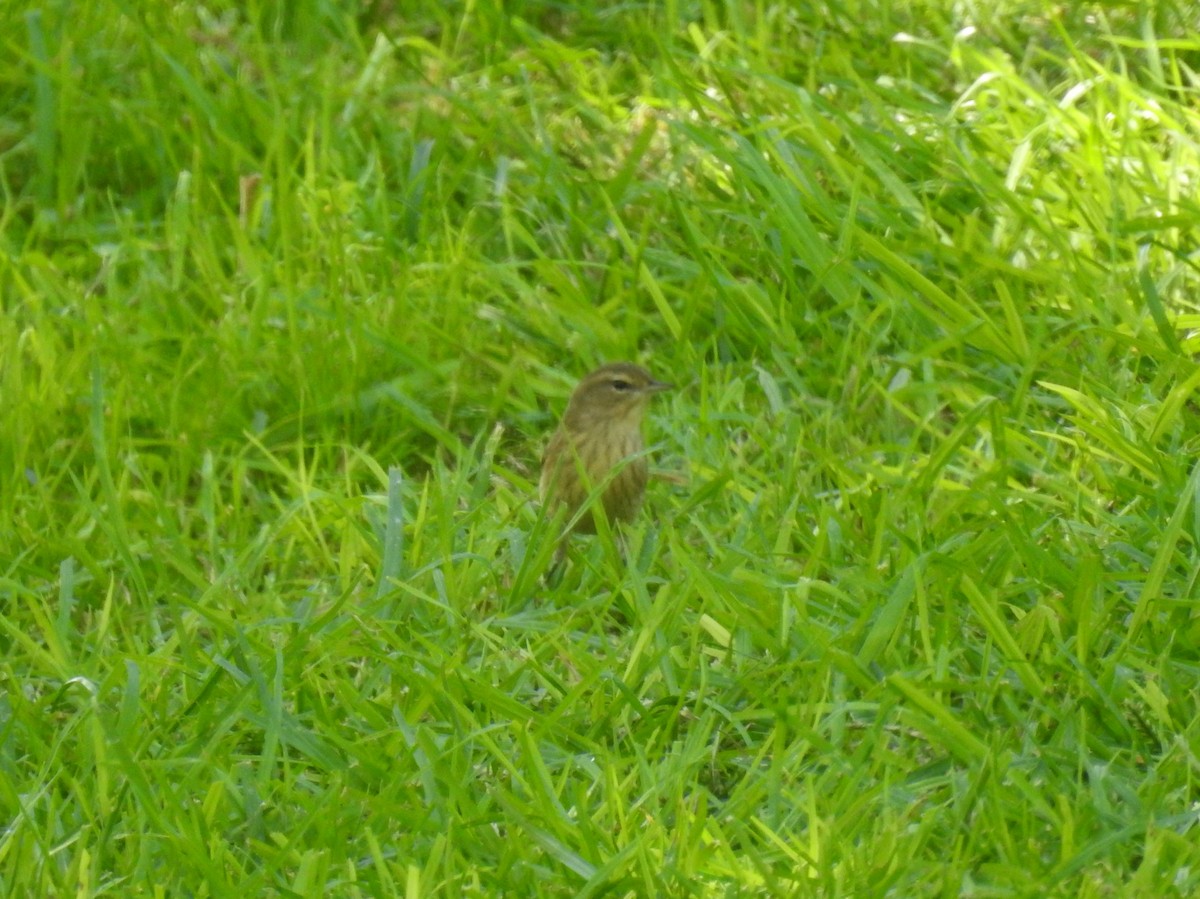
x=601 y=431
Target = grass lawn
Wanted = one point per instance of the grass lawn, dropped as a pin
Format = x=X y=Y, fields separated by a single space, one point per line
x=293 y=295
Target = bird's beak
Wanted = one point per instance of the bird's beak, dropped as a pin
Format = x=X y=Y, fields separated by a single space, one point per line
x=658 y=387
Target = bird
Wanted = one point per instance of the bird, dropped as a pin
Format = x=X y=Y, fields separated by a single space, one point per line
x=599 y=442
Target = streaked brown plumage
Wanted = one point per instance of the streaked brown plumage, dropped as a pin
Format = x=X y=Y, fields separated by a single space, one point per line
x=601 y=431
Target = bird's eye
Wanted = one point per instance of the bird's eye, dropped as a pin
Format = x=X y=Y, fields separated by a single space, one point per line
x=619 y=384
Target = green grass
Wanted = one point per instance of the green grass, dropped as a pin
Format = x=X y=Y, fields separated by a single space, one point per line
x=293 y=295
